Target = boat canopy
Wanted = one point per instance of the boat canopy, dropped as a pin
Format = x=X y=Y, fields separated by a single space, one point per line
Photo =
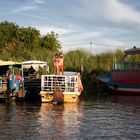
x=132 y=51
x=35 y=64
x=6 y=65
x=9 y=63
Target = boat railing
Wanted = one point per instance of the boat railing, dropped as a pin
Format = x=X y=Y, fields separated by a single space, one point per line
x=64 y=82
x=32 y=83
x=126 y=66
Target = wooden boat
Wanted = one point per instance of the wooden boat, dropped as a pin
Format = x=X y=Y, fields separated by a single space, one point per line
x=68 y=83
x=125 y=76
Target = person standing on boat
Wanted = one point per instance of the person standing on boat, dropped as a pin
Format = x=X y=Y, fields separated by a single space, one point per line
x=61 y=67
x=56 y=61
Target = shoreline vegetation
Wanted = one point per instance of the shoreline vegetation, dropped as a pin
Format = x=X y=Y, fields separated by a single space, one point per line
x=26 y=43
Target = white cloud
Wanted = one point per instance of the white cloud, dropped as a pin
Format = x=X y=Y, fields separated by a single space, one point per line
x=24 y=8
x=123 y=19
x=70 y=35
x=46 y=29
x=79 y=36
x=30 y=5
x=111 y=11
x=76 y=37
x=34 y=16
x=84 y=21
x=121 y=13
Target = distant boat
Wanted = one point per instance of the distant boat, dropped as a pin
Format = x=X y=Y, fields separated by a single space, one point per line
x=68 y=84
x=125 y=76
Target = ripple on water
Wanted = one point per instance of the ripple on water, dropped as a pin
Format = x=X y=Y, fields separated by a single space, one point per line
x=101 y=119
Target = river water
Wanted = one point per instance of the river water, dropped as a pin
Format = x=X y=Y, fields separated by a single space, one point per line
x=93 y=117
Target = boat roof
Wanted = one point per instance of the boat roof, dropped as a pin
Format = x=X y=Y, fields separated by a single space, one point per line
x=132 y=51
x=9 y=63
x=33 y=62
x=36 y=64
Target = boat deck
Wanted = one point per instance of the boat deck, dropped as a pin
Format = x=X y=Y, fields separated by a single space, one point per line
x=67 y=84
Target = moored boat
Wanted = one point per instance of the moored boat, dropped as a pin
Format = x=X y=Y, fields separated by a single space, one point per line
x=124 y=77
x=10 y=80
x=68 y=83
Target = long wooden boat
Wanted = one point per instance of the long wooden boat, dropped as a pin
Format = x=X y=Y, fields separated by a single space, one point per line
x=124 y=77
x=68 y=83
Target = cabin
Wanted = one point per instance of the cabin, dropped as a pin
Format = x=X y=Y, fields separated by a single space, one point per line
x=31 y=72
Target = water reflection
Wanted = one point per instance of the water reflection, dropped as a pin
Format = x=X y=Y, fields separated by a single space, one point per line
x=62 y=120
x=18 y=121
x=99 y=117
x=128 y=100
x=111 y=117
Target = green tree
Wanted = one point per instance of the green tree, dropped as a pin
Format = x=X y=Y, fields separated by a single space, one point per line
x=25 y=43
x=51 y=42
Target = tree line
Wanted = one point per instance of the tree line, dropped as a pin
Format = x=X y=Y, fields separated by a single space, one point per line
x=26 y=43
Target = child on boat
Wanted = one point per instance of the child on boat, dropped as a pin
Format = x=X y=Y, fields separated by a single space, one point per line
x=56 y=61
x=61 y=60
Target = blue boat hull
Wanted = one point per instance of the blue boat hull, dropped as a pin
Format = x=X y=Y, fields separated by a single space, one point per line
x=120 y=88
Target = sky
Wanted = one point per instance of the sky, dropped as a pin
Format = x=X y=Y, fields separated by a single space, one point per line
x=92 y=25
